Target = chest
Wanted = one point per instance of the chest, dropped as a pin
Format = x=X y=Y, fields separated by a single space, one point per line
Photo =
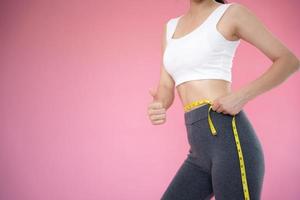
x=193 y=50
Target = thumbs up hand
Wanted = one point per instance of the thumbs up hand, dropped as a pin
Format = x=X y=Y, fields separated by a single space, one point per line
x=156 y=111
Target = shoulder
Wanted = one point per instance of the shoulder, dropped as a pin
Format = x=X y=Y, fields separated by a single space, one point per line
x=239 y=12
x=240 y=15
x=238 y=8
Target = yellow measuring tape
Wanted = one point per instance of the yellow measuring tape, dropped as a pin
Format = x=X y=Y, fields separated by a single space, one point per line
x=236 y=137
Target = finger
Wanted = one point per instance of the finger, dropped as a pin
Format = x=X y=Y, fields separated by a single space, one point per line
x=158 y=117
x=225 y=112
x=158 y=122
x=155 y=105
x=234 y=113
x=215 y=105
x=220 y=109
x=153 y=112
x=156 y=111
x=152 y=92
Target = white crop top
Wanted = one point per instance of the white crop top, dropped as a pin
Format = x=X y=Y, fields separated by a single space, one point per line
x=204 y=53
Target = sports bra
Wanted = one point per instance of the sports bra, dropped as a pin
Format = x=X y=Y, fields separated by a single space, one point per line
x=204 y=53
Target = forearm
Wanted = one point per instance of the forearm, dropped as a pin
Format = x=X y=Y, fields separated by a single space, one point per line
x=165 y=95
x=279 y=71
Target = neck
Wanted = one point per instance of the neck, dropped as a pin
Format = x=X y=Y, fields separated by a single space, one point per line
x=200 y=6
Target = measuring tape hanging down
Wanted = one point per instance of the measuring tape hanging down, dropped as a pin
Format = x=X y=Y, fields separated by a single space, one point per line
x=236 y=137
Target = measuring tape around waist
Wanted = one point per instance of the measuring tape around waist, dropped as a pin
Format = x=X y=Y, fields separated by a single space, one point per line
x=236 y=137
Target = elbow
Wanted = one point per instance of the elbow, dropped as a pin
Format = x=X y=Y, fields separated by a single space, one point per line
x=293 y=61
x=296 y=64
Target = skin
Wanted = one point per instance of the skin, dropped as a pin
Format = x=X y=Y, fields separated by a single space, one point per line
x=238 y=22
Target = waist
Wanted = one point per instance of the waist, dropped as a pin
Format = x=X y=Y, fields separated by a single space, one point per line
x=198 y=90
x=189 y=107
x=203 y=111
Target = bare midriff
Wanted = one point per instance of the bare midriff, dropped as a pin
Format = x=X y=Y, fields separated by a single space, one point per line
x=195 y=90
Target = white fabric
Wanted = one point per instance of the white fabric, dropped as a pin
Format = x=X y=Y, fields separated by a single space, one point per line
x=203 y=53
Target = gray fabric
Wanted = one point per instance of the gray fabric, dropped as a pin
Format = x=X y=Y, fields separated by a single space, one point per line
x=212 y=167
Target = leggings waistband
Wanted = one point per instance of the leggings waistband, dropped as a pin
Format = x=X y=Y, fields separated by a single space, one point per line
x=203 y=111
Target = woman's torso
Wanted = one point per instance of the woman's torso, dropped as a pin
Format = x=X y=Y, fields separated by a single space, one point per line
x=202 y=89
x=207 y=88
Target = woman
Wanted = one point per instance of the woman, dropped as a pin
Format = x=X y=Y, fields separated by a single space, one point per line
x=225 y=157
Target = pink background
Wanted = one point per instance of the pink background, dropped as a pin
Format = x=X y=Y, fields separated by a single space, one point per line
x=75 y=77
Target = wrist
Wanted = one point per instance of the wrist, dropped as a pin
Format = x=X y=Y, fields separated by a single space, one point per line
x=165 y=96
x=244 y=95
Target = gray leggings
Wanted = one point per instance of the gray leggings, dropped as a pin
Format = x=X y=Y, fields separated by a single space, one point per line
x=212 y=165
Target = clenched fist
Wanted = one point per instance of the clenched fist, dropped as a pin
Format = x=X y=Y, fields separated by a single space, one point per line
x=156 y=111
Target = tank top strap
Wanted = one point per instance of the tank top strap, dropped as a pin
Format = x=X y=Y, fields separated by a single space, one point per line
x=171 y=26
x=217 y=16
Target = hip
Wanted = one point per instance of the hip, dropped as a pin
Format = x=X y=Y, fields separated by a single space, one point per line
x=200 y=135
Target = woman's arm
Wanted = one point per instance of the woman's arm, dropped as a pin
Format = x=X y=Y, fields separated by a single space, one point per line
x=249 y=28
x=285 y=63
x=163 y=96
x=165 y=89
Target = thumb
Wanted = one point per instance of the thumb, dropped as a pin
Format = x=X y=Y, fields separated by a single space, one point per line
x=152 y=92
x=215 y=104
